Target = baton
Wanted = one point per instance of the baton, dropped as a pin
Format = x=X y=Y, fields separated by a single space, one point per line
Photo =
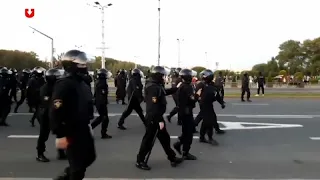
x=153 y=141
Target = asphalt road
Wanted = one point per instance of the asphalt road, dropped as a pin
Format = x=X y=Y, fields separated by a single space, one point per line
x=265 y=139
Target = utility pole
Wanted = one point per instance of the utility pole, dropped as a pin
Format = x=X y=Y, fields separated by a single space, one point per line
x=52 y=47
x=159 y=35
x=103 y=47
x=179 y=51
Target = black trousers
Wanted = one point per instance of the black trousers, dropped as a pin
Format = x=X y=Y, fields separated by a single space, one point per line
x=13 y=94
x=260 y=86
x=163 y=136
x=102 y=119
x=81 y=154
x=208 y=124
x=20 y=102
x=44 y=133
x=188 y=126
x=200 y=117
x=243 y=91
x=5 y=108
x=134 y=104
x=175 y=110
x=222 y=93
x=35 y=114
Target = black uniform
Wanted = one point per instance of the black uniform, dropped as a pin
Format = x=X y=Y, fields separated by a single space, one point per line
x=87 y=79
x=175 y=81
x=135 y=98
x=186 y=103
x=155 y=108
x=43 y=113
x=23 y=81
x=261 y=83
x=245 y=88
x=209 y=94
x=121 y=86
x=101 y=101
x=219 y=83
x=13 y=84
x=70 y=115
x=5 y=101
x=33 y=91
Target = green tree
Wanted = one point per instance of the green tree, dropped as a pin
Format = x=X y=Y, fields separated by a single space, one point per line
x=198 y=69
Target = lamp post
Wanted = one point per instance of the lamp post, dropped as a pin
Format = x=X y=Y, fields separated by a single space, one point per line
x=52 y=49
x=179 y=51
x=159 y=35
x=103 y=48
x=135 y=64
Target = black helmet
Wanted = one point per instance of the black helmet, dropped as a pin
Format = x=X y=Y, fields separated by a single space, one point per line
x=13 y=70
x=178 y=70
x=26 y=71
x=75 y=62
x=103 y=74
x=122 y=71
x=207 y=75
x=4 y=71
x=136 y=72
x=186 y=75
x=52 y=75
x=39 y=71
x=157 y=74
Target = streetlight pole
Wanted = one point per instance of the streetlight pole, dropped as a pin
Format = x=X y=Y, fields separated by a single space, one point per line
x=103 y=47
x=52 y=49
x=179 y=51
x=135 y=64
x=159 y=35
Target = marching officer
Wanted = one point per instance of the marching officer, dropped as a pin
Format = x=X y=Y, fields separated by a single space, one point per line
x=209 y=94
x=135 y=98
x=23 y=81
x=245 y=87
x=121 y=86
x=45 y=99
x=174 y=82
x=5 y=101
x=101 y=101
x=186 y=103
x=70 y=115
x=155 y=108
x=13 y=84
x=219 y=83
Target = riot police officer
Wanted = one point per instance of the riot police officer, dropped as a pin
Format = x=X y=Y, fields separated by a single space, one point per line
x=45 y=99
x=70 y=113
x=155 y=108
x=186 y=102
x=121 y=86
x=101 y=101
x=23 y=81
x=135 y=98
x=245 y=87
x=174 y=82
x=219 y=83
x=209 y=94
x=33 y=90
x=13 y=84
x=5 y=101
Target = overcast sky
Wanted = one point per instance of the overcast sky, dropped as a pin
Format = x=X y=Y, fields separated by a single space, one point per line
x=235 y=33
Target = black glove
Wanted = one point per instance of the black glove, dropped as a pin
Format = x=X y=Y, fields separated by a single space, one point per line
x=223 y=106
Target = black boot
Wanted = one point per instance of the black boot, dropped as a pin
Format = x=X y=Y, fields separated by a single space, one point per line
x=42 y=158
x=141 y=164
x=105 y=136
x=61 y=155
x=177 y=146
x=203 y=140
x=188 y=156
x=3 y=123
x=219 y=131
x=121 y=127
x=176 y=161
x=213 y=142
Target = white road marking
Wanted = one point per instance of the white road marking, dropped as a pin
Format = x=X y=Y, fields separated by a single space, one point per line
x=276 y=116
x=249 y=104
x=315 y=138
x=227 y=126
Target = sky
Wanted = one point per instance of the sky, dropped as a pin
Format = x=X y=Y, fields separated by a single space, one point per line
x=235 y=34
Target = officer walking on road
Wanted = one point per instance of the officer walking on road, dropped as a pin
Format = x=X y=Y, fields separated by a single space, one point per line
x=101 y=100
x=219 y=83
x=13 y=84
x=261 y=83
x=186 y=103
x=5 y=101
x=23 y=81
x=155 y=108
x=45 y=99
x=245 y=87
x=135 y=98
x=70 y=115
x=176 y=79
x=209 y=94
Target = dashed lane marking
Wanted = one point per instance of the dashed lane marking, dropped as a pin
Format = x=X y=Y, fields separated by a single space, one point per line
x=315 y=138
x=250 y=104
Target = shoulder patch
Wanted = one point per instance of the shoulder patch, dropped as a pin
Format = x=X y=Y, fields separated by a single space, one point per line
x=103 y=91
x=57 y=103
x=46 y=98
x=192 y=97
x=154 y=99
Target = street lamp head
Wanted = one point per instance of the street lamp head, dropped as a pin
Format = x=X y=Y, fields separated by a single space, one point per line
x=97 y=3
